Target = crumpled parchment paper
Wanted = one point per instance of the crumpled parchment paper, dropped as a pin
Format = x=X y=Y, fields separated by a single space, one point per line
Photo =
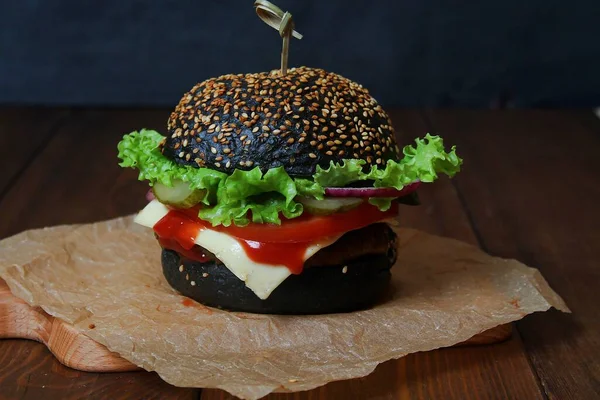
x=108 y=274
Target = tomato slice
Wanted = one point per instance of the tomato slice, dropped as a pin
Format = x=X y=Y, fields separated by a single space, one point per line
x=310 y=227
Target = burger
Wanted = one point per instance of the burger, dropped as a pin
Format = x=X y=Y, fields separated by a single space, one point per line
x=273 y=193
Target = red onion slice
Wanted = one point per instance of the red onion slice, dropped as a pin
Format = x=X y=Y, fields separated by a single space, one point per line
x=150 y=195
x=371 y=191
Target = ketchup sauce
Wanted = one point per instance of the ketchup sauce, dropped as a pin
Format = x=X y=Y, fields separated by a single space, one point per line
x=179 y=228
x=290 y=255
x=177 y=231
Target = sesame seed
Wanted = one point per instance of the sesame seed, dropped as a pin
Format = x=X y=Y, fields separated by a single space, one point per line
x=213 y=150
x=312 y=155
x=345 y=269
x=181 y=268
x=193 y=283
x=257 y=100
x=204 y=274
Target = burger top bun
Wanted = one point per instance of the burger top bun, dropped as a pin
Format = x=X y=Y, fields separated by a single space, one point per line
x=306 y=118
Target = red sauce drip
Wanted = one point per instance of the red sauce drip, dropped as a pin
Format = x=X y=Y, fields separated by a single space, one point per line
x=187 y=302
x=289 y=254
x=178 y=229
x=192 y=254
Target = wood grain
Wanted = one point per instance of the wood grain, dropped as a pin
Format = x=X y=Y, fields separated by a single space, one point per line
x=72 y=348
x=76 y=179
x=29 y=371
x=531 y=185
x=24 y=132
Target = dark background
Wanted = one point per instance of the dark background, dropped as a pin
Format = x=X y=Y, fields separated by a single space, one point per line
x=485 y=53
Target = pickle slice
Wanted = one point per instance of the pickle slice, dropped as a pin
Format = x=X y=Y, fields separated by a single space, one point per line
x=180 y=195
x=329 y=205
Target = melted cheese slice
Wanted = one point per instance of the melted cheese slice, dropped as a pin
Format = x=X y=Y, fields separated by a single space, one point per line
x=262 y=279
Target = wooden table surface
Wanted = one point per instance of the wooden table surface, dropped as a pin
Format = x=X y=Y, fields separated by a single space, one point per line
x=529 y=190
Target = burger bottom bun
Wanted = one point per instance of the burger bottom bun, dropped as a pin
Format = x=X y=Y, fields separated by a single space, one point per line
x=358 y=284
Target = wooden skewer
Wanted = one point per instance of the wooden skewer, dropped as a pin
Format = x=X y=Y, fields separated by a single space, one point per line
x=282 y=22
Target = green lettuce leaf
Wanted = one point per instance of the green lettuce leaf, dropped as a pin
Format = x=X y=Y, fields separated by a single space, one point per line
x=421 y=162
x=308 y=188
x=383 y=203
x=244 y=184
x=140 y=150
x=263 y=209
x=338 y=175
x=251 y=196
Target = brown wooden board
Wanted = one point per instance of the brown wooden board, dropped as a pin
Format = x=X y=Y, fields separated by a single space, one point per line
x=531 y=183
x=74 y=349
x=69 y=346
x=76 y=179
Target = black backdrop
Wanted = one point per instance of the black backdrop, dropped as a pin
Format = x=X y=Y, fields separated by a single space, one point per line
x=407 y=52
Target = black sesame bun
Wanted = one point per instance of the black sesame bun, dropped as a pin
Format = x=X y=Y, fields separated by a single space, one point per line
x=306 y=118
x=327 y=285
